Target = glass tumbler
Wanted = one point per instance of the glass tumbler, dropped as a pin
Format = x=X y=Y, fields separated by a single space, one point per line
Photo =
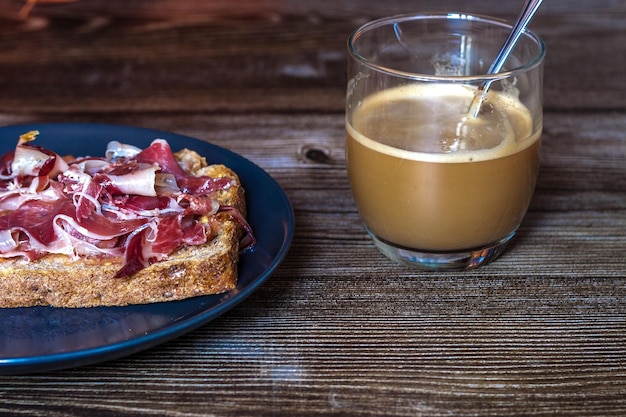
x=442 y=156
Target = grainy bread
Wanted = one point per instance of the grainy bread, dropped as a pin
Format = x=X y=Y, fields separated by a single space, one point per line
x=56 y=280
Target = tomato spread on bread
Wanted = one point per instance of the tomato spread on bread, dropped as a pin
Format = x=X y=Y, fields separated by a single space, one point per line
x=134 y=205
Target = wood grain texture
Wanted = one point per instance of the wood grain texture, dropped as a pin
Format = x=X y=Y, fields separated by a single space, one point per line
x=217 y=61
x=338 y=330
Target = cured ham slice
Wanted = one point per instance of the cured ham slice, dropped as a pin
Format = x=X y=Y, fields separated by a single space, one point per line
x=137 y=205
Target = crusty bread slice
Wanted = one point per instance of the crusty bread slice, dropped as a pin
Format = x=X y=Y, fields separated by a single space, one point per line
x=56 y=280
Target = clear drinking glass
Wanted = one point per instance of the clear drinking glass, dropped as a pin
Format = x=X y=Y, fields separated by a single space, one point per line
x=436 y=187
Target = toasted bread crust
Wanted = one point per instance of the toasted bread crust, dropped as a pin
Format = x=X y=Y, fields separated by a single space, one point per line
x=57 y=280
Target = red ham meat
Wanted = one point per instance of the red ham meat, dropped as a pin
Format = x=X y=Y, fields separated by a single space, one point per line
x=137 y=205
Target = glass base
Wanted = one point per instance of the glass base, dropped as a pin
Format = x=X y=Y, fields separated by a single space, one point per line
x=442 y=261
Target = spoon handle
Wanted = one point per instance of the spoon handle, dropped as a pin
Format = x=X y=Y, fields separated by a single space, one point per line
x=525 y=16
x=527 y=13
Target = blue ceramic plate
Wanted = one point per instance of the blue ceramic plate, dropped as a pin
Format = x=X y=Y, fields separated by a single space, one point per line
x=40 y=339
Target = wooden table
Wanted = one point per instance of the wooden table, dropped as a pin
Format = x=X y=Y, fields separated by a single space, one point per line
x=338 y=330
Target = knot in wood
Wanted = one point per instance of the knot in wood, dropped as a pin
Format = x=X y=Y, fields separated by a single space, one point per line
x=315 y=154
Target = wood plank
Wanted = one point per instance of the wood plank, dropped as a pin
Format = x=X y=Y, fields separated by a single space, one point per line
x=257 y=63
x=199 y=10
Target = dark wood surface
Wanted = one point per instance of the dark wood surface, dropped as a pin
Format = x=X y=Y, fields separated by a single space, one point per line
x=338 y=330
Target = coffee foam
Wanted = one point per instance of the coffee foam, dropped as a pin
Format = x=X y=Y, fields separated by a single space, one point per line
x=447 y=93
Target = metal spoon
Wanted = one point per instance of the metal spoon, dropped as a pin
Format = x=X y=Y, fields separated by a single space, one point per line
x=525 y=16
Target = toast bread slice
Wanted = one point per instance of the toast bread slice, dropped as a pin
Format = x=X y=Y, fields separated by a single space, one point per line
x=59 y=281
